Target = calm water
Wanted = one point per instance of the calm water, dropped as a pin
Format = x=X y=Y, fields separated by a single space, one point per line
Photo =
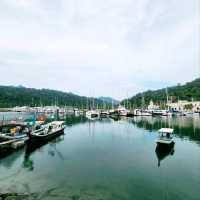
x=109 y=160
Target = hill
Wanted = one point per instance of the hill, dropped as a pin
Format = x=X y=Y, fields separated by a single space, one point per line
x=189 y=91
x=109 y=100
x=11 y=96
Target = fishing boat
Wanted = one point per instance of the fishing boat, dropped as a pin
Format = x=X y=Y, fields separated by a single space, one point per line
x=13 y=131
x=48 y=132
x=165 y=136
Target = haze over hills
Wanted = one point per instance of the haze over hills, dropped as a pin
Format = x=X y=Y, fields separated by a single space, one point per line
x=109 y=100
x=11 y=96
x=189 y=91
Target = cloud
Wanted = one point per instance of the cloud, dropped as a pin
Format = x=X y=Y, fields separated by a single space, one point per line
x=108 y=47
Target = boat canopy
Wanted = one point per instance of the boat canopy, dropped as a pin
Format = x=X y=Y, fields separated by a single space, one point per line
x=166 y=130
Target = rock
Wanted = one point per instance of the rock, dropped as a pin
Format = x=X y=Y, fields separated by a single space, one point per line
x=13 y=196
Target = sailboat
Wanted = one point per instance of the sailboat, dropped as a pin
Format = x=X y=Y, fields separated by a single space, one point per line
x=92 y=113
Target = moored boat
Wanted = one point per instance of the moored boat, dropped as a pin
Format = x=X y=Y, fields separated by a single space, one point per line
x=122 y=111
x=161 y=113
x=13 y=131
x=165 y=136
x=48 y=132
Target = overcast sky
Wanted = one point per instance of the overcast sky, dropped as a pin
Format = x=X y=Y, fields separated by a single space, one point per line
x=99 y=47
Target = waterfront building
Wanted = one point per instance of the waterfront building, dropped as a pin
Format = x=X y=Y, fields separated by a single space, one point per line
x=181 y=106
x=152 y=106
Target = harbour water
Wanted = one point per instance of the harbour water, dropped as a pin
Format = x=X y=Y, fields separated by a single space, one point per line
x=109 y=159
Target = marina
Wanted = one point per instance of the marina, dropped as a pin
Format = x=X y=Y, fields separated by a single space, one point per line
x=118 y=157
x=99 y=100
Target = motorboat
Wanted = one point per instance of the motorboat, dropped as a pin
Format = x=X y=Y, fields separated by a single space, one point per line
x=14 y=131
x=47 y=132
x=165 y=136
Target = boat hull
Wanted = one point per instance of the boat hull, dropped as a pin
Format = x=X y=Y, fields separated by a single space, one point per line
x=164 y=142
x=44 y=138
x=7 y=137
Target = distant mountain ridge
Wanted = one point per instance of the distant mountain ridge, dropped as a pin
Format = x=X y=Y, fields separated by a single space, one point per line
x=189 y=91
x=11 y=96
x=109 y=100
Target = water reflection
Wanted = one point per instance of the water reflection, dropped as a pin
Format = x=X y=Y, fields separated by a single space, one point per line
x=11 y=158
x=108 y=159
x=163 y=151
x=28 y=163
x=184 y=127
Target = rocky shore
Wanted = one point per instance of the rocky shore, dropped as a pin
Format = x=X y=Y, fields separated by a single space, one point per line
x=14 y=196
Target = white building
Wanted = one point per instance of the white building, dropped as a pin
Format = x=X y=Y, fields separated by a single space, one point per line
x=182 y=106
x=152 y=106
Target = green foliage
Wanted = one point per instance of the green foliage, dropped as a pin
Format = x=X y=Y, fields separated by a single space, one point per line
x=20 y=96
x=188 y=107
x=187 y=92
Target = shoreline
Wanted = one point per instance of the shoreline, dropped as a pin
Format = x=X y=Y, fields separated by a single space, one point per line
x=14 y=196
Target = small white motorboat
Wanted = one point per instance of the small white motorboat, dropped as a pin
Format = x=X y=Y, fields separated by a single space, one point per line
x=165 y=136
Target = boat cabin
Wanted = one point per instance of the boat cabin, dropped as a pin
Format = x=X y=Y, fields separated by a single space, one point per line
x=165 y=136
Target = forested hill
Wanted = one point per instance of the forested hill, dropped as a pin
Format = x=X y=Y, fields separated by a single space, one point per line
x=11 y=96
x=188 y=91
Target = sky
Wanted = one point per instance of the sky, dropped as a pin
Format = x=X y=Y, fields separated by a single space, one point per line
x=111 y=48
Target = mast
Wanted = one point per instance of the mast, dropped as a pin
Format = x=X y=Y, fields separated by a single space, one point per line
x=93 y=104
x=167 y=99
x=112 y=104
x=143 y=102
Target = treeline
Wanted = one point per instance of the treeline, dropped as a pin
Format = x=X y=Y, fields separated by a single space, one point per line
x=190 y=91
x=11 y=96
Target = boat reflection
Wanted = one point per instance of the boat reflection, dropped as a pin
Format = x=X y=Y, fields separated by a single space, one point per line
x=184 y=127
x=28 y=163
x=163 y=151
